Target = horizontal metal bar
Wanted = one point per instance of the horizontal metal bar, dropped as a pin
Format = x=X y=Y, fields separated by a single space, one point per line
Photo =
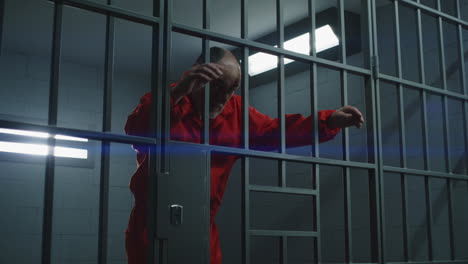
x=426 y=173
x=201 y=33
x=280 y=233
x=111 y=11
x=431 y=262
x=286 y=190
x=422 y=87
x=93 y=135
x=435 y=12
x=278 y=156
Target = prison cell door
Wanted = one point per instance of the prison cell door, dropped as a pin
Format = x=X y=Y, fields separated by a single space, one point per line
x=185 y=195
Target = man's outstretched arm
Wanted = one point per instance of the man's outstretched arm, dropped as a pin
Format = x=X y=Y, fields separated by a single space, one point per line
x=264 y=131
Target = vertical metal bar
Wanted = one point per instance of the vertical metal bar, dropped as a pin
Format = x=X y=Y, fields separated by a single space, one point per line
x=427 y=164
x=345 y=133
x=2 y=15
x=341 y=22
x=441 y=44
x=313 y=79
x=420 y=45
x=464 y=82
x=451 y=221
x=160 y=129
x=245 y=193
x=205 y=135
x=429 y=218
x=462 y=60
x=281 y=92
x=52 y=121
x=245 y=210
x=447 y=136
x=105 y=148
x=284 y=250
x=376 y=180
x=348 y=217
x=406 y=240
x=155 y=127
x=402 y=126
x=318 y=244
x=397 y=34
x=315 y=136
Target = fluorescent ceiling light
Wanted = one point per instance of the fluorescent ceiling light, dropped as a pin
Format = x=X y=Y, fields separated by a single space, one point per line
x=325 y=38
x=39 y=134
x=41 y=149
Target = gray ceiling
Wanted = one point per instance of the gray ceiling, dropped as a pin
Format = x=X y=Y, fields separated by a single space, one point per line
x=28 y=29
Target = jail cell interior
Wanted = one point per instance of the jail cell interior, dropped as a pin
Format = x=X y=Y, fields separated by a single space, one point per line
x=394 y=191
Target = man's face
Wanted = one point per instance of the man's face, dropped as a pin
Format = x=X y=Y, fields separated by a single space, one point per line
x=221 y=90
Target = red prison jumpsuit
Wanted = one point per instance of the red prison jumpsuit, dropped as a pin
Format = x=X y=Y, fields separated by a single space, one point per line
x=225 y=130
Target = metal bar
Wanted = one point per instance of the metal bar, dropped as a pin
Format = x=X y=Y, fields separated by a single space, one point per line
x=279 y=233
x=462 y=60
x=345 y=135
x=341 y=22
x=2 y=14
x=406 y=239
x=430 y=10
x=451 y=220
x=260 y=47
x=245 y=210
x=420 y=46
x=52 y=121
x=430 y=262
x=344 y=101
x=402 y=126
x=429 y=218
x=281 y=92
x=380 y=177
x=105 y=148
x=245 y=75
x=313 y=79
x=348 y=217
x=398 y=41
x=315 y=133
x=154 y=164
x=376 y=180
x=205 y=132
x=422 y=87
x=284 y=250
x=442 y=51
x=427 y=165
x=465 y=119
x=278 y=156
x=447 y=136
x=111 y=10
x=459 y=15
x=441 y=175
x=285 y=190
x=245 y=193
x=160 y=111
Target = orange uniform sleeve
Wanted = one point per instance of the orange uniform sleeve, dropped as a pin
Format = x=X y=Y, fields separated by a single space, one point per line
x=265 y=134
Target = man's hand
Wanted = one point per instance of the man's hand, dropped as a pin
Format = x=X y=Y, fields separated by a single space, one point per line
x=196 y=78
x=345 y=116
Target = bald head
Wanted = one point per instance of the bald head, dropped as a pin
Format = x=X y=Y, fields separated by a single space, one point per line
x=229 y=63
x=221 y=89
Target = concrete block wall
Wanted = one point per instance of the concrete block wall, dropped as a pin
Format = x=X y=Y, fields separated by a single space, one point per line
x=25 y=85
